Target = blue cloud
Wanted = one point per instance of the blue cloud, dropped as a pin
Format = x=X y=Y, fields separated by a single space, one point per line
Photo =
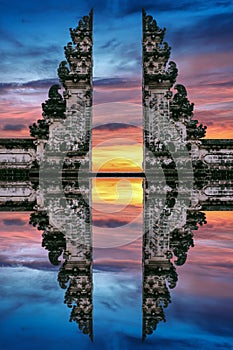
x=205 y=34
x=109 y=223
x=14 y=127
x=14 y=222
x=36 y=84
x=115 y=127
x=119 y=82
x=110 y=44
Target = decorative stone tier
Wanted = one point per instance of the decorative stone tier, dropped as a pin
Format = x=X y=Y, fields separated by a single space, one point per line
x=17 y=153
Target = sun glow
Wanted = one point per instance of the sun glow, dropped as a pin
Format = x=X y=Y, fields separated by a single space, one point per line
x=117 y=191
x=117 y=158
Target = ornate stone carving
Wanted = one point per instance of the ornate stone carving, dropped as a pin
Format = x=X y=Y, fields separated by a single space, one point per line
x=40 y=130
x=40 y=220
x=181 y=108
x=195 y=131
x=159 y=273
x=55 y=106
x=156 y=54
x=72 y=244
x=169 y=135
x=78 y=53
x=63 y=71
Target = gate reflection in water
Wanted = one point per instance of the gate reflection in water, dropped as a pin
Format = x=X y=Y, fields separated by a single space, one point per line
x=120 y=294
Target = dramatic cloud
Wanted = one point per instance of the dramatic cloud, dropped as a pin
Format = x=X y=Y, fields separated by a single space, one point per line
x=114 y=127
x=115 y=83
x=109 y=223
x=15 y=127
x=14 y=222
x=110 y=44
x=201 y=50
x=27 y=86
x=132 y=7
x=205 y=34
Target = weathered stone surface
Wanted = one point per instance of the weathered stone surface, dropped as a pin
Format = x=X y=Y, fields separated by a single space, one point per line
x=184 y=174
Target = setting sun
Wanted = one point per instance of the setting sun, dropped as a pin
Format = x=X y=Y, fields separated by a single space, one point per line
x=120 y=158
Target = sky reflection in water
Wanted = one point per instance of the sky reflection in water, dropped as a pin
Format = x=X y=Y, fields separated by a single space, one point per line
x=32 y=307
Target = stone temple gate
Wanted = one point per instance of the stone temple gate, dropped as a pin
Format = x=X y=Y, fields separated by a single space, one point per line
x=50 y=174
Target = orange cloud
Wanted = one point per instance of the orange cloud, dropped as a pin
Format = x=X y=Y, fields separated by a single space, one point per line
x=14 y=115
x=210 y=88
x=112 y=132
x=15 y=227
x=117 y=191
x=117 y=159
x=116 y=93
x=116 y=211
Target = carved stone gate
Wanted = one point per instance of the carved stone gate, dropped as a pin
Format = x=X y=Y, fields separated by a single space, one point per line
x=50 y=174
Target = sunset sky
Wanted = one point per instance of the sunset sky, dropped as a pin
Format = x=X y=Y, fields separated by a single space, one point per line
x=33 y=34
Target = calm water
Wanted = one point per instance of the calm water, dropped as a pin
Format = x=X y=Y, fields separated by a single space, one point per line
x=34 y=315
